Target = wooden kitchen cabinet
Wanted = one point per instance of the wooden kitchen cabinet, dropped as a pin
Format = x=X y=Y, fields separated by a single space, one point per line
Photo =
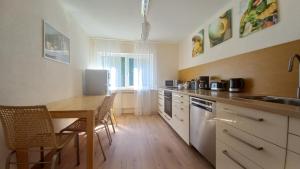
x=181 y=111
x=292 y=160
x=267 y=126
x=293 y=153
x=161 y=102
x=228 y=158
x=263 y=153
x=259 y=136
x=294 y=126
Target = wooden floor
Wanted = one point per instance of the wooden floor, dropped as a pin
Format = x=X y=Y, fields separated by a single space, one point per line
x=140 y=142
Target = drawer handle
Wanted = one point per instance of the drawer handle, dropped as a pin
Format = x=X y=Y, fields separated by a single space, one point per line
x=181 y=120
x=225 y=152
x=243 y=141
x=244 y=116
x=181 y=109
x=251 y=118
x=176 y=95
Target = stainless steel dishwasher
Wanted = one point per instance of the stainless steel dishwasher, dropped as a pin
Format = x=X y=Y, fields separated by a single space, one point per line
x=203 y=127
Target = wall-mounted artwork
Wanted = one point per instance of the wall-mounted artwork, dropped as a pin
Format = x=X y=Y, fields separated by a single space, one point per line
x=198 y=43
x=56 y=45
x=257 y=15
x=220 y=30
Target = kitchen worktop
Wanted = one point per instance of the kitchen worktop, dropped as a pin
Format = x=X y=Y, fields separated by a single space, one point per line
x=232 y=98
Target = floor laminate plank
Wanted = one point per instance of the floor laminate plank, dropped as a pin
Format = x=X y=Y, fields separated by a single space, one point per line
x=140 y=142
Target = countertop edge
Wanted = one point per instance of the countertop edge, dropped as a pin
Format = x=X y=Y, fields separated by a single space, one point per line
x=279 y=109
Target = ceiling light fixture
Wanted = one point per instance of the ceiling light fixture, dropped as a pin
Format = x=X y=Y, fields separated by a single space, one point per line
x=145 y=30
x=145 y=7
x=145 y=25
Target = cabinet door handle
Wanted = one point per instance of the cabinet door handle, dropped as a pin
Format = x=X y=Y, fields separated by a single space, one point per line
x=225 y=152
x=243 y=141
x=244 y=116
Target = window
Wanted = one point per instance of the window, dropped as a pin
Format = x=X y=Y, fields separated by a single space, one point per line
x=127 y=71
x=122 y=67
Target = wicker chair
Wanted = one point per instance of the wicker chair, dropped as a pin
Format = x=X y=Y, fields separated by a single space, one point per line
x=30 y=129
x=79 y=126
x=112 y=116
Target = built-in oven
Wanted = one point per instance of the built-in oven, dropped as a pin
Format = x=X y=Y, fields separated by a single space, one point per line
x=168 y=102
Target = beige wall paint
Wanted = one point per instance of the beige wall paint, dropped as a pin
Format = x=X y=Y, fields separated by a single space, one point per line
x=285 y=31
x=167 y=62
x=265 y=71
x=26 y=77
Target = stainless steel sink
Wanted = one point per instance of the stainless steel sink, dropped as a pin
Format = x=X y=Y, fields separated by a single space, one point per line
x=274 y=99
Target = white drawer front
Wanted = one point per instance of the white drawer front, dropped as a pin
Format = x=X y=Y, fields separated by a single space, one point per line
x=180 y=97
x=181 y=102
x=226 y=116
x=182 y=129
x=294 y=126
x=161 y=101
x=292 y=161
x=294 y=143
x=161 y=108
x=227 y=158
x=161 y=97
x=161 y=92
x=264 y=154
x=270 y=127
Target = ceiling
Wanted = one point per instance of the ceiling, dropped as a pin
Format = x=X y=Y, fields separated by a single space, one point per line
x=171 y=20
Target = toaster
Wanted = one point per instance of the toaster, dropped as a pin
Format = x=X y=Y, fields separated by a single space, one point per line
x=218 y=85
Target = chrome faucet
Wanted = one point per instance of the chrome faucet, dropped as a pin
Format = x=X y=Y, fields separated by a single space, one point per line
x=290 y=68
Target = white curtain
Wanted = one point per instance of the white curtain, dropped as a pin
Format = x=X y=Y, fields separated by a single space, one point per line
x=146 y=101
x=102 y=57
x=110 y=55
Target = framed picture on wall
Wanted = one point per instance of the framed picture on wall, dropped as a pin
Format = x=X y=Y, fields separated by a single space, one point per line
x=56 y=45
x=198 y=44
x=257 y=15
x=220 y=29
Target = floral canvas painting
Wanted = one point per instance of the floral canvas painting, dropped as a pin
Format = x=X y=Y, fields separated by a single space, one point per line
x=220 y=29
x=257 y=15
x=198 y=43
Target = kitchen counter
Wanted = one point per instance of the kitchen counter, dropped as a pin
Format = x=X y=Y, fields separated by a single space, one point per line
x=232 y=98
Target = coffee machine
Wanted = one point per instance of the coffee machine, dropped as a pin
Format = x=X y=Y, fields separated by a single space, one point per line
x=204 y=82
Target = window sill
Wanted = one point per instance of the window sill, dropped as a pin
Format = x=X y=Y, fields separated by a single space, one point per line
x=124 y=90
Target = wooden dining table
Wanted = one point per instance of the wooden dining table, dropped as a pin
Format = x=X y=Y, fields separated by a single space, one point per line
x=76 y=107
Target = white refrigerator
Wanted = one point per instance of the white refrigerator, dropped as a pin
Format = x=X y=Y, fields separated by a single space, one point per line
x=96 y=82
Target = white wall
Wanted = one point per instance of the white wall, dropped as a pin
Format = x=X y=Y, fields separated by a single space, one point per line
x=288 y=29
x=26 y=77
